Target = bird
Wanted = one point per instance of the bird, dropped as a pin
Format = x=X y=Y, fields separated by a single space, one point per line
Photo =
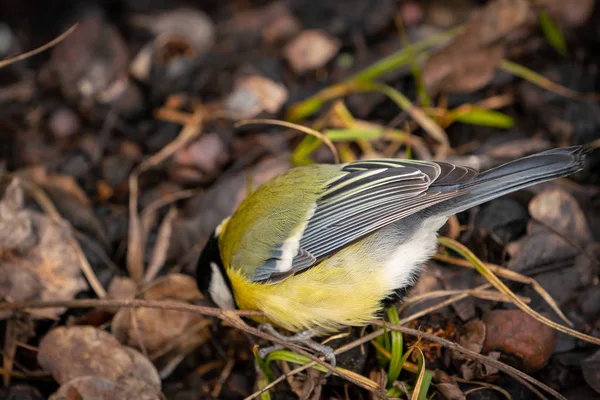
x=322 y=247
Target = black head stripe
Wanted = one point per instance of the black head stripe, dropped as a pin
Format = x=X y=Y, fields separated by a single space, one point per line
x=209 y=254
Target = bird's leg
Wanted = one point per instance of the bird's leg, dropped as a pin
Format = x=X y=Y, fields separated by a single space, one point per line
x=301 y=338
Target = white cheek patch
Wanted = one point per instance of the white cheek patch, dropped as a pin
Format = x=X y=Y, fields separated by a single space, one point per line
x=218 y=289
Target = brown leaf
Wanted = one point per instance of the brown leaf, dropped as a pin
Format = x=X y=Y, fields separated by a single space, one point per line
x=468 y=62
x=93 y=387
x=70 y=201
x=203 y=213
x=44 y=263
x=79 y=351
x=451 y=70
x=155 y=330
x=540 y=246
x=473 y=335
x=450 y=391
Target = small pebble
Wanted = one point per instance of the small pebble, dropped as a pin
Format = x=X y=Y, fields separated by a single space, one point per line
x=515 y=332
x=311 y=50
x=64 y=123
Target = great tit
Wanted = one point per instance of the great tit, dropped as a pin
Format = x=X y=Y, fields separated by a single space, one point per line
x=324 y=246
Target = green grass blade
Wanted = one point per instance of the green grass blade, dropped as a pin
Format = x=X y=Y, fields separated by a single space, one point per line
x=397 y=349
x=553 y=33
x=306 y=108
x=351 y=134
x=483 y=117
x=537 y=79
x=401 y=57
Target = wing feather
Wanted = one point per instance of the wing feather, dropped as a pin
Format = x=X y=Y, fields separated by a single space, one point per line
x=368 y=196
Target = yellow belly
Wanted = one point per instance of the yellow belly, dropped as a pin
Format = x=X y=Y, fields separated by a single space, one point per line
x=346 y=289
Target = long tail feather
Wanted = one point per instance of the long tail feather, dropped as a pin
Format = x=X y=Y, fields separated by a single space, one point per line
x=516 y=175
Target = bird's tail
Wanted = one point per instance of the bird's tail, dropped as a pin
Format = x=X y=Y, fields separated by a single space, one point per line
x=516 y=175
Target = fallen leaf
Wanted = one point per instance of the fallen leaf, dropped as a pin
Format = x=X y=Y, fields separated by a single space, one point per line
x=90 y=360
x=473 y=335
x=40 y=260
x=469 y=61
x=539 y=247
x=205 y=212
x=92 y=63
x=93 y=387
x=70 y=201
x=156 y=330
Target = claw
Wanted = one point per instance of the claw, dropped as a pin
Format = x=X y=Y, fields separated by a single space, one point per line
x=301 y=338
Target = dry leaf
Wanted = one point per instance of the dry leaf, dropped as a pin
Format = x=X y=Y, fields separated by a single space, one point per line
x=40 y=260
x=93 y=387
x=88 y=360
x=468 y=62
x=155 y=330
x=70 y=201
x=473 y=335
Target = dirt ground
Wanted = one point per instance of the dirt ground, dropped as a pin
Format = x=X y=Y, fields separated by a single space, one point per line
x=122 y=148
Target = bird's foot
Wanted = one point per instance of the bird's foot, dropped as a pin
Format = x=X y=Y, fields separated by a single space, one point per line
x=302 y=338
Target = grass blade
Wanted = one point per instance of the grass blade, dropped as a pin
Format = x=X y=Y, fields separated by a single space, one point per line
x=552 y=33
x=487 y=273
x=433 y=129
x=483 y=117
x=396 y=338
x=537 y=79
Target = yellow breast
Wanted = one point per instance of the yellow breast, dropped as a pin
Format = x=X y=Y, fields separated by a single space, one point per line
x=346 y=289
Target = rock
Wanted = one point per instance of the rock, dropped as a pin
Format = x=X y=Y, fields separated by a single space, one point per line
x=253 y=95
x=64 y=123
x=516 y=333
x=91 y=64
x=559 y=210
x=311 y=50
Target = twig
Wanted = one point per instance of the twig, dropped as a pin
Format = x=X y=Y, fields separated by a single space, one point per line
x=301 y=128
x=46 y=204
x=136 y=238
x=31 y=53
x=159 y=255
x=223 y=378
x=515 y=373
x=512 y=275
x=498 y=284
x=233 y=317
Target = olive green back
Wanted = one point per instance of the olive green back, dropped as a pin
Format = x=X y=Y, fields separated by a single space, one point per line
x=271 y=214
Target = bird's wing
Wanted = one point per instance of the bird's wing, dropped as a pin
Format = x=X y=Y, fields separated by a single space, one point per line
x=368 y=196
